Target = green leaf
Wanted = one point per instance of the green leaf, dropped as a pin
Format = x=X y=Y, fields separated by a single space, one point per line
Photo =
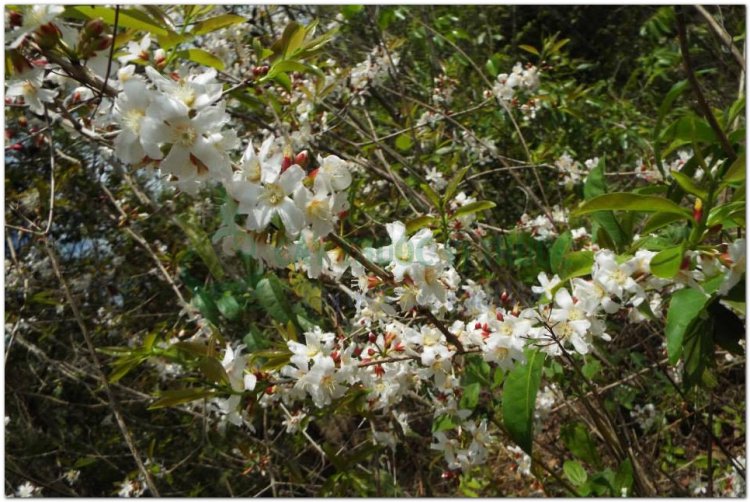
x=194 y=348
x=576 y=264
x=270 y=294
x=625 y=201
x=442 y=423
x=228 y=306
x=180 y=396
x=687 y=184
x=201 y=243
x=127 y=18
x=575 y=472
x=684 y=308
x=349 y=11
x=216 y=23
x=577 y=440
x=658 y=220
x=473 y=207
x=202 y=57
x=419 y=222
x=736 y=172
x=519 y=398
x=698 y=353
x=403 y=142
x=470 y=397
x=123 y=367
x=529 y=49
x=666 y=263
x=558 y=250
x=624 y=477
x=213 y=370
x=287 y=66
x=430 y=193
x=691 y=128
x=452 y=186
x=595 y=184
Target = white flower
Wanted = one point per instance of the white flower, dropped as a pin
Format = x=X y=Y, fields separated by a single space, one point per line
x=616 y=278
x=35 y=16
x=546 y=285
x=28 y=490
x=130 y=110
x=274 y=199
x=192 y=154
x=195 y=91
x=29 y=85
x=333 y=174
x=403 y=255
x=323 y=383
x=737 y=257
x=320 y=209
x=137 y=50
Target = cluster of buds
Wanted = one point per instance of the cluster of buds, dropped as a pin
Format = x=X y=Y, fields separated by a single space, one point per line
x=92 y=38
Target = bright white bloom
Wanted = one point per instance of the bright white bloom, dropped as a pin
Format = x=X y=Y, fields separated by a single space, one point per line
x=28 y=490
x=35 y=16
x=404 y=255
x=616 y=278
x=192 y=155
x=274 y=198
x=737 y=258
x=130 y=110
x=546 y=285
x=333 y=174
x=323 y=383
x=29 y=86
x=194 y=91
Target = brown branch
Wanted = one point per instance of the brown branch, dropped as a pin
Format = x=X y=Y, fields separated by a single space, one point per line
x=100 y=373
x=703 y=105
x=720 y=32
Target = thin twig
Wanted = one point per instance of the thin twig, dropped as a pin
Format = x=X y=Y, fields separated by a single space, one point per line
x=703 y=105
x=100 y=373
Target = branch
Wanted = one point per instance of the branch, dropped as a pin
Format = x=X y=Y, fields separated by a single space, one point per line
x=100 y=373
x=705 y=109
x=720 y=32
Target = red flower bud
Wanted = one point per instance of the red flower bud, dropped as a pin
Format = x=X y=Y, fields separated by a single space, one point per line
x=94 y=27
x=302 y=159
x=504 y=297
x=698 y=210
x=104 y=43
x=286 y=163
x=500 y=317
x=372 y=338
x=16 y=18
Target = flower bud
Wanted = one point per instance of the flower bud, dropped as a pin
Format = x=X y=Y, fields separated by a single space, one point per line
x=286 y=163
x=16 y=147
x=302 y=159
x=504 y=297
x=698 y=210
x=47 y=36
x=103 y=42
x=15 y=18
x=94 y=27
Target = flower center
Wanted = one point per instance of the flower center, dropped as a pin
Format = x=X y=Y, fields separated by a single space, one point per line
x=317 y=209
x=132 y=120
x=185 y=135
x=619 y=276
x=253 y=171
x=403 y=251
x=274 y=194
x=186 y=94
